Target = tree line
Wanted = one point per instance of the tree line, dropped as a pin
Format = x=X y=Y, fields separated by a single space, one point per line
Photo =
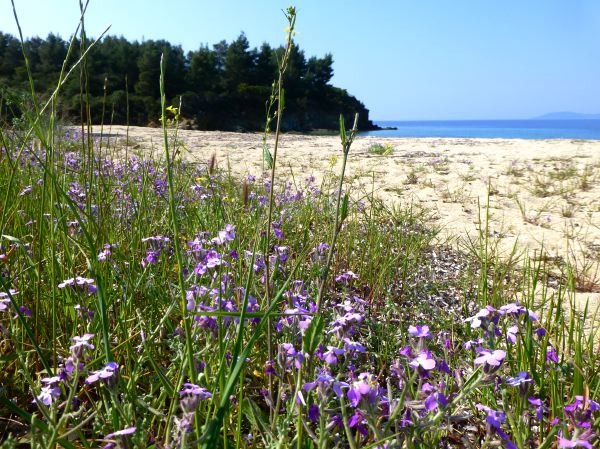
x=220 y=88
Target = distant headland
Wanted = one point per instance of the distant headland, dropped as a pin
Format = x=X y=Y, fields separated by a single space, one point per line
x=223 y=87
x=565 y=115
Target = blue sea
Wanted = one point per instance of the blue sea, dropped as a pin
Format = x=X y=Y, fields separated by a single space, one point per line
x=505 y=129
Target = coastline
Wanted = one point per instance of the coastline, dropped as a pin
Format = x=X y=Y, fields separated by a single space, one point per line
x=544 y=194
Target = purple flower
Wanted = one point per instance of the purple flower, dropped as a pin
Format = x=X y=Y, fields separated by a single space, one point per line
x=495 y=419
x=105 y=253
x=346 y=277
x=120 y=437
x=323 y=382
x=480 y=317
x=81 y=343
x=277 y=229
x=353 y=346
x=282 y=252
x=491 y=360
x=5 y=298
x=120 y=433
x=366 y=385
x=191 y=395
x=521 y=381
x=24 y=310
x=105 y=373
x=583 y=440
x=151 y=257
x=195 y=390
x=551 y=354
x=213 y=259
x=472 y=344
x=270 y=368
x=80 y=282
x=225 y=235
x=47 y=395
x=291 y=352
x=539 y=407
x=514 y=309
x=419 y=331
x=358 y=421
x=406 y=351
x=26 y=191
x=330 y=357
x=313 y=413
x=423 y=361
x=200 y=269
x=511 y=334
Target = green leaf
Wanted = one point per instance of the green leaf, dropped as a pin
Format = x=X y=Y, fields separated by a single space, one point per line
x=256 y=416
x=344 y=208
x=342 y=129
x=314 y=334
x=267 y=156
x=11 y=238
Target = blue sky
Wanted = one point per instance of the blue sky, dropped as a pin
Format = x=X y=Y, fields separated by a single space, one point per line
x=405 y=59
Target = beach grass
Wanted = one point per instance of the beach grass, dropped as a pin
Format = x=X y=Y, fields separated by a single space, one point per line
x=146 y=301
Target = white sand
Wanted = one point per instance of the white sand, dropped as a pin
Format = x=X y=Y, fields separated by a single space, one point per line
x=545 y=193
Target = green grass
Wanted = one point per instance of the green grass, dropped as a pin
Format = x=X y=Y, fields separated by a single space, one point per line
x=379 y=149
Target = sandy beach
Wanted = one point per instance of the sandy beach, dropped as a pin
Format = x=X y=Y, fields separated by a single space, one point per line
x=544 y=194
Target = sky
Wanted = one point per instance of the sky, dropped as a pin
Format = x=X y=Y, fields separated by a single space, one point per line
x=405 y=59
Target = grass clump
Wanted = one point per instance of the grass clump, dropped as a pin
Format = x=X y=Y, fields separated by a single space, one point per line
x=379 y=149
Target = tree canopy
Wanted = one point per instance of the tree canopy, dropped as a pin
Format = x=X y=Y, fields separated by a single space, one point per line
x=220 y=88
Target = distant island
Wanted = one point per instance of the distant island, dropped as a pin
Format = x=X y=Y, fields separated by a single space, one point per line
x=567 y=116
x=223 y=87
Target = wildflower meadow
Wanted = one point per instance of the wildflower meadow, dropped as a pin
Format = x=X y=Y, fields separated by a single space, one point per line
x=151 y=301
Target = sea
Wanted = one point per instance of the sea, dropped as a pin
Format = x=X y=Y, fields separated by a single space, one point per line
x=499 y=129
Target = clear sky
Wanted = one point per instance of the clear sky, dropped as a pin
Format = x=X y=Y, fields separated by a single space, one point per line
x=405 y=59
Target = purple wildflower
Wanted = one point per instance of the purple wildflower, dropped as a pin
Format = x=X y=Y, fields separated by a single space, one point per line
x=365 y=386
x=191 y=395
x=313 y=413
x=27 y=190
x=346 y=277
x=521 y=381
x=582 y=440
x=358 y=421
x=491 y=360
x=495 y=419
x=330 y=357
x=5 y=298
x=120 y=438
x=551 y=354
x=289 y=350
x=322 y=384
x=81 y=343
x=213 y=259
x=511 y=334
x=419 y=331
x=47 y=395
x=539 y=407
x=423 y=361
x=479 y=319
x=105 y=373
x=120 y=433
x=79 y=282
x=277 y=229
